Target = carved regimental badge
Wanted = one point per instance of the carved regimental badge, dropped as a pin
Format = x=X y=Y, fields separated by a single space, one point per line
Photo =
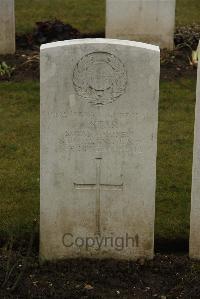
x=100 y=78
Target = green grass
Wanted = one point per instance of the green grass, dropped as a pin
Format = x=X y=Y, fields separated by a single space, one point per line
x=174 y=165
x=86 y=15
x=19 y=161
x=187 y=12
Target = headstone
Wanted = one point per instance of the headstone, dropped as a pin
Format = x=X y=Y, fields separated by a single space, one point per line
x=7 y=27
x=195 y=204
x=99 y=117
x=150 y=21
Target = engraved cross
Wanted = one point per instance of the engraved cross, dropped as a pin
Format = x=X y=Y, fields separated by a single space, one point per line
x=98 y=187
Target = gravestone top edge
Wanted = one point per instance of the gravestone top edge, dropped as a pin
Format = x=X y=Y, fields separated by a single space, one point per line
x=105 y=41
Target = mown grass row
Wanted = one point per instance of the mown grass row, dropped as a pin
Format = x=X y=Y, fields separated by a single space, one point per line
x=86 y=15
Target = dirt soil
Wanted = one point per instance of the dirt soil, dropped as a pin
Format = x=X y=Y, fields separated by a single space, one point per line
x=167 y=276
x=25 y=62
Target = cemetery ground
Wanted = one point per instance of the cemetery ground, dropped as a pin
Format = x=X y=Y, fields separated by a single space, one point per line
x=171 y=274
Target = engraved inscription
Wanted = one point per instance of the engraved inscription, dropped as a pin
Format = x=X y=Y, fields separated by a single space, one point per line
x=111 y=134
x=100 y=78
x=84 y=140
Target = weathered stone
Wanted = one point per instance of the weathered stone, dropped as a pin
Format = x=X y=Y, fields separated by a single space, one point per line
x=7 y=27
x=150 y=21
x=99 y=116
x=195 y=204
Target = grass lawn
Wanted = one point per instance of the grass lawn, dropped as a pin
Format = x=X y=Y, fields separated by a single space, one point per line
x=175 y=151
x=19 y=161
x=86 y=15
x=19 y=128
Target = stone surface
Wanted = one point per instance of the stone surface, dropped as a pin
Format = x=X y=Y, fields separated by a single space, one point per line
x=99 y=110
x=195 y=204
x=7 y=27
x=150 y=21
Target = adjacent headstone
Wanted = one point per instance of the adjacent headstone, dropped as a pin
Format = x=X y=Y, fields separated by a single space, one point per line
x=7 y=27
x=195 y=204
x=150 y=21
x=99 y=117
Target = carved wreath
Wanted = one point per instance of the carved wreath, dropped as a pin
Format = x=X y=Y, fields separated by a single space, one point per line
x=100 y=78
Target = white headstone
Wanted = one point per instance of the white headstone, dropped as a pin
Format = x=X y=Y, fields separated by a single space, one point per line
x=195 y=204
x=7 y=27
x=150 y=21
x=99 y=117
